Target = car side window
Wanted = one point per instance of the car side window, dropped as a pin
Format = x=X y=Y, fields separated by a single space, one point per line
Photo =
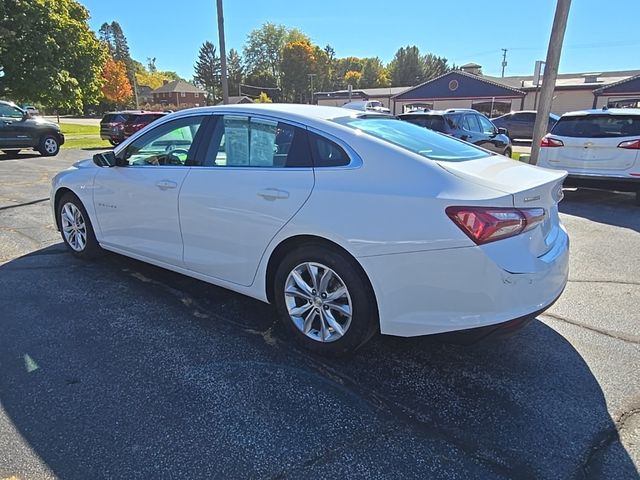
x=470 y=123
x=486 y=126
x=169 y=144
x=327 y=153
x=8 y=111
x=243 y=141
x=525 y=117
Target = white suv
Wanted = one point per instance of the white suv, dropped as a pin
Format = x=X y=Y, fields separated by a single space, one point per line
x=599 y=149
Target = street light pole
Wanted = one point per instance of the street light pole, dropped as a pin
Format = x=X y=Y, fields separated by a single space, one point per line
x=549 y=78
x=223 y=54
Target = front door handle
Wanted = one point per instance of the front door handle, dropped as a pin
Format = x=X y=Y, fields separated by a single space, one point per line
x=166 y=184
x=272 y=194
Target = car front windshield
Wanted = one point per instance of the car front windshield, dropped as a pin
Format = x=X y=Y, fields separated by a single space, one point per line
x=422 y=141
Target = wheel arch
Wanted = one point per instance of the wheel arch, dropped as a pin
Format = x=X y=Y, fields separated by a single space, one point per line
x=56 y=202
x=291 y=243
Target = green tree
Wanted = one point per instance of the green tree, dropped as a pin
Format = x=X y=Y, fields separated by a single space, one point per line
x=343 y=66
x=434 y=66
x=235 y=72
x=373 y=74
x=207 y=71
x=298 y=61
x=49 y=54
x=263 y=51
x=114 y=38
x=352 y=78
x=407 y=67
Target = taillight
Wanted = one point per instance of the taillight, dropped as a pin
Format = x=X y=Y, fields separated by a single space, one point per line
x=488 y=224
x=551 y=142
x=630 y=144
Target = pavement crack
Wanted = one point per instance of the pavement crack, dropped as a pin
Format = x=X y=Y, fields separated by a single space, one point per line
x=617 y=335
x=614 y=282
x=33 y=202
x=590 y=467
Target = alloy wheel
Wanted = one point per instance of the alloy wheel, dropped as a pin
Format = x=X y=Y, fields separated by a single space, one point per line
x=50 y=146
x=318 y=302
x=74 y=227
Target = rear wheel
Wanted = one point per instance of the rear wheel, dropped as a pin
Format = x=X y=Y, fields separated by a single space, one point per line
x=49 y=146
x=75 y=227
x=325 y=300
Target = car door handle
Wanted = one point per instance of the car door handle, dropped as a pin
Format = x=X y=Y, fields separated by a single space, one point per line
x=272 y=194
x=166 y=184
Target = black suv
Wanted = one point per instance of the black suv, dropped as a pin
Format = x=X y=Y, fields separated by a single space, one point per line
x=519 y=125
x=465 y=124
x=19 y=131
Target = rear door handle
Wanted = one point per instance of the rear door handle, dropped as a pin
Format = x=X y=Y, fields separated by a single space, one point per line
x=166 y=184
x=272 y=194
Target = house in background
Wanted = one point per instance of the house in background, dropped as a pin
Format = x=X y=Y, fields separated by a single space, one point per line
x=145 y=95
x=237 y=100
x=179 y=92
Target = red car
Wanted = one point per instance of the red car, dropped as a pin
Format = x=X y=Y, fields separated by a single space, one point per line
x=112 y=125
x=138 y=121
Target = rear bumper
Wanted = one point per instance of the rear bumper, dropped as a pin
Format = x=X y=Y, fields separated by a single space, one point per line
x=621 y=184
x=439 y=291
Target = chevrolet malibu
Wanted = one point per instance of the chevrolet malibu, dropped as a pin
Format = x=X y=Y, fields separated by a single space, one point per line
x=348 y=222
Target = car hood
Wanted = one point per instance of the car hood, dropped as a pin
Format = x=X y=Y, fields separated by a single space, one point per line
x=526 y=183
x=88 y=163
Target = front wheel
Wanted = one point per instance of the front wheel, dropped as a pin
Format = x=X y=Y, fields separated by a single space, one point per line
x=325 y=300
x=76 y=229
x=508 y=152
x=49 y=146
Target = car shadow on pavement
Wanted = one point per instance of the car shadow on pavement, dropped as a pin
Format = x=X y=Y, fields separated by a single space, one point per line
x=20 y=156
x=118 y=369
x=612 y=208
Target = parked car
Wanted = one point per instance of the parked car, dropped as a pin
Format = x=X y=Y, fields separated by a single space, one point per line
x=293 y=205
x=599 y=149
x=367 y=106
x=465 y=124
x=137 y=121
x=519 y=125
x=19 y=131
x=112 y=125
x=31 y=110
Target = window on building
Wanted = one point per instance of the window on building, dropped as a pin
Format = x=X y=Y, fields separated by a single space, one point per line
x=183 y=94
x=196 y=95
x=492 y=109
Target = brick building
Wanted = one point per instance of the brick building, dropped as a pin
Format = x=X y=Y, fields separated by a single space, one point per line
x=179 y=92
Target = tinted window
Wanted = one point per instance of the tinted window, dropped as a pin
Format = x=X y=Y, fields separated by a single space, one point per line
x=486 y=126
x=432 y=122
x=415 y=139
x=241 y=141
x=470 y=123
x=327 y=153
x=598 y=126
x=168 y=144
x=9 y=111
x=113 y=118
x=527 y=117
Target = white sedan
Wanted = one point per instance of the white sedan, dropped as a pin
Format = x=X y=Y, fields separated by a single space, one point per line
x=349 y=222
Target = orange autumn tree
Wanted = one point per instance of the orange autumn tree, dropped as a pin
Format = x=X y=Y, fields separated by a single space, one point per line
x=117 y=88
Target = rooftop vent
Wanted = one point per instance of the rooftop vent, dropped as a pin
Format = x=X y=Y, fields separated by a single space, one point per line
x=591 y=77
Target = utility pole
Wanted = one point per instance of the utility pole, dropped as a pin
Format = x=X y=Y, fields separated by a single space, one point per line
x=550 y=75
x=223 y=54
x=504 y=60
x=311 y=75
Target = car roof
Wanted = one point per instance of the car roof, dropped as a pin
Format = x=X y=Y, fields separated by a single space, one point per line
x=603 y=111
x=5 y=102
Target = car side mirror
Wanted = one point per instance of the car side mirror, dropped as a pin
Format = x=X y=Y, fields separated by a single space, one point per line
x=105 y=159
x=26 y=115
x=503 y=131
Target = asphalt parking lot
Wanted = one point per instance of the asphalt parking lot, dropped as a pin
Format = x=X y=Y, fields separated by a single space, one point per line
x=117 y=369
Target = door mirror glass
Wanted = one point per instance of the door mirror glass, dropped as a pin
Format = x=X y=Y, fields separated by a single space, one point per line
x=503 y=131
x=105 y=159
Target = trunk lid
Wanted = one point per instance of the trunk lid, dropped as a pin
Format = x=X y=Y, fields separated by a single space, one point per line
x=591 y=154
x=529 y=187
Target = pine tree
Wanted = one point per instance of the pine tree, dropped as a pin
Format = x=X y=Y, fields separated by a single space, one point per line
x=235 y=72
x=207 y=71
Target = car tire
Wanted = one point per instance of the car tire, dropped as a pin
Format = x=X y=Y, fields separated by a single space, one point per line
x=334 y=326
x=11 y=153
x=114 y=143
x=49 y=146
x=508 y=152
x=76 y=229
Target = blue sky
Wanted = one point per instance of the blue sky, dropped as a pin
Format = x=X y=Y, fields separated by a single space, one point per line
x=597 y=39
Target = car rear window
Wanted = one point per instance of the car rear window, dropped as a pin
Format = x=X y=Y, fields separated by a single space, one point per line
x=113 y=117
x=416 y=139
x=432 y=122
x=597 y=126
